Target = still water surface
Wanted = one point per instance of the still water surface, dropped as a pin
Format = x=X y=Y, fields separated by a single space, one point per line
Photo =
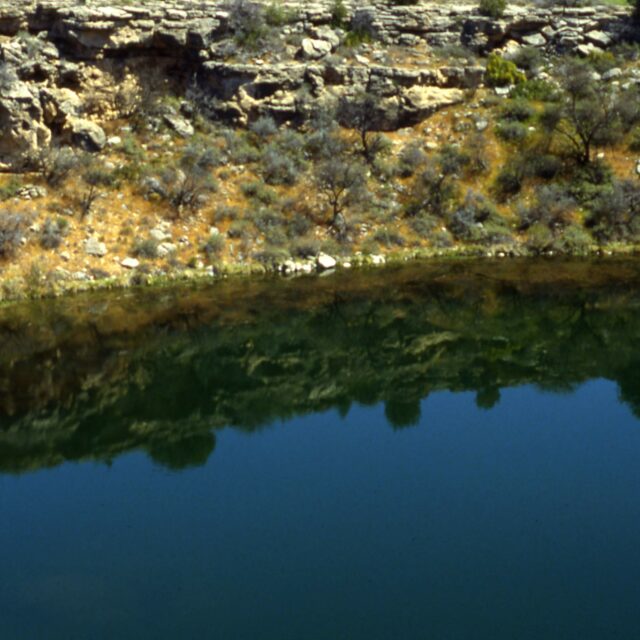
x=417 y=455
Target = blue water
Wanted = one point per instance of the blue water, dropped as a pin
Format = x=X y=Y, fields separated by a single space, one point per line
x=518 y=522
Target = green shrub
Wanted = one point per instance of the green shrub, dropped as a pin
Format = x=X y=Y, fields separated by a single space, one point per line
x=574 y=240
x=12 y=230
x=501 y=72
x=536 y=89
x=528 y=58
x=52 y=232
x=539 y=238
x=509 y=181
x=213 y=246
x=512 y=132
x=305 y=247
x=492 y=8
x=257 y=190
x=276 y=15
x=11 y=188
x=339 y=15
x=145 y=248
x=517 y=109
x=388 y=237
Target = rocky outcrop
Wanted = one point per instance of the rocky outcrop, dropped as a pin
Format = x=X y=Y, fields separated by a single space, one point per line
x=65 y=68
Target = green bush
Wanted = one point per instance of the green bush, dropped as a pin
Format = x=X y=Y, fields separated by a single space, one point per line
x=492 y=8
x=517 y=109
x=145 y=248
x=12 y=230
x=501 y=72
x=339 y=15
x=512 y=132
x=536 y=89
x=52 y=232
x=213 y=246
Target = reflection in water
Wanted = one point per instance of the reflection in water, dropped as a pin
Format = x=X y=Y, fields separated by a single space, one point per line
x=96 y=376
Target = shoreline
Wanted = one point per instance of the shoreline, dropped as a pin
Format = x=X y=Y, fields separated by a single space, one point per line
x=143 y=279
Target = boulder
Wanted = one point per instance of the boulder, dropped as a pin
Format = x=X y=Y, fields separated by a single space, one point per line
x=314 y=49
x=24 y=133
x=179 y=124
x=418 y=103
x=93 y=247
x=130 y=263
x=86 y=134
x=324 y=262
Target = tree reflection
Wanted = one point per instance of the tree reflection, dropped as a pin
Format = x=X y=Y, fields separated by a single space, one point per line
x=166 y=378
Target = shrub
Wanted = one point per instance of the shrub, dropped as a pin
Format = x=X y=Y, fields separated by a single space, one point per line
x=425 y=225
x=305 y=248
x=339 y=15
x=278 y=168
x=248 y=23
x=545 y=166
x=553 y=207
x=213 y=246
x=145 y=248
x=512 y=132
x=52 y=232
x=539 y=238
x=226 y=212
x=536 y=89
x=265 y=219
x=276 y=15
x=12 y=229
x=258 y=191
x=528 y=58
x=299 y=225
x=388 y=237
x=614 y=215
x=11 y=188
x=56 y=164
x=573 y=240
x=602 y=61
x=411 y=158
x=517 y=109
x=271 y=257
x=264 y=127
x=492 y=8
x=362 y=28
x=478 y=221
x=509 y=180
x=501 y=72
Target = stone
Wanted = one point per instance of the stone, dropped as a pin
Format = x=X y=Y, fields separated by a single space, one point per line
x=324 y=262
x=420 y=102
x=166 y=248
x=130 y=263
x=24 y=132
x=616 y=72
x=314 y=49
x=598 y=38
x=534 y=40
x=158 y=235
x=179 y=124
x=87 y=134
x=93 y=247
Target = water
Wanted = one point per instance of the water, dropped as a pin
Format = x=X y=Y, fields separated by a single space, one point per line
x=420 y=453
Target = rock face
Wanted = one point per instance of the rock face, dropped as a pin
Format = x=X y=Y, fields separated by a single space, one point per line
x=66 y=67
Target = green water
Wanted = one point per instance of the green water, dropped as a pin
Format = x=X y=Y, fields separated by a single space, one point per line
x=444 y=451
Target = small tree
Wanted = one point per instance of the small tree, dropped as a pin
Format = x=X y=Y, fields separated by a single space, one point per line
x=341 y=184
x=588 y=115
x=364 y=115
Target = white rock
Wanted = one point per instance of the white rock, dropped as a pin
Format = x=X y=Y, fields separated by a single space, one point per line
x=130 y=263
x=324 y=261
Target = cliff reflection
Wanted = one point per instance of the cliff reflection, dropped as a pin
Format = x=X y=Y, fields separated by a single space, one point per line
x=93 y=377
